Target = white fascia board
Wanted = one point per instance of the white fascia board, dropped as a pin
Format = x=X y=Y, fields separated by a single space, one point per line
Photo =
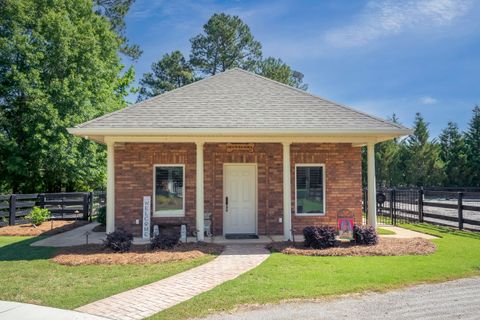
x=235 y=131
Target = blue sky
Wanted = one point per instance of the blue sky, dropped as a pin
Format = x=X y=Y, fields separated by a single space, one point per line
x=377 y=56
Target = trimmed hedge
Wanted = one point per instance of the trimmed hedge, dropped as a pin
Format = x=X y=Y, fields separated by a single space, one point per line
x=365 y=235
x=319 y=237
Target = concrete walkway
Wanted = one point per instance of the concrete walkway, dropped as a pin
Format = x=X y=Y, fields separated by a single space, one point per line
x=23 y=311
x=458 y=299
x=402 y=233
x=147 y=300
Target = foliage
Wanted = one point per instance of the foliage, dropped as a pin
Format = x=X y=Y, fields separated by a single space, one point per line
x=119 y=241
x=38 y=215
x=319 y=237
x=365 y=235
x=170 y=72
x=288 y=277
x=279 y=71
x=59 y=67
x=115 y=11
x=226 y=42
x=102 y=215
x=472 y=141
x=164 y=242
x=454 y=155
x=51 y=284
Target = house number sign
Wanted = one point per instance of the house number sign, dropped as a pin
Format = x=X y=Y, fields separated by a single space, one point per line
x=240 y=147
x=147 y=204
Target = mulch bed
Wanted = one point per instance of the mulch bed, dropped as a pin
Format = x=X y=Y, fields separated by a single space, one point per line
x=45 y=229
x=139 y=254
x=385 y=247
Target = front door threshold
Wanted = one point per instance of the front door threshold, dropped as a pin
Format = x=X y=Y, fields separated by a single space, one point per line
x=239 y=236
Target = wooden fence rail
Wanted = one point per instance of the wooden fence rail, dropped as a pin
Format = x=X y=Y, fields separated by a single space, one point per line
x=442 y=207
x=64 y=205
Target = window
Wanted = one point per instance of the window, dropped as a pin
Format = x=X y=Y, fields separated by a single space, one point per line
x=169 y=190
x=310 y=189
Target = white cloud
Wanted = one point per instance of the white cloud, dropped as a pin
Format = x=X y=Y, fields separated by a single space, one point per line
x=428 y=100
x=389 y=17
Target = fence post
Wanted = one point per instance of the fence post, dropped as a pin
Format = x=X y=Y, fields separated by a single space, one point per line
x=391 y=205
x=394 y=203
x=12 y=210
x=41 y=200
x=460 y=210
x=85 y=206
x=90 y=205
x=420 y=204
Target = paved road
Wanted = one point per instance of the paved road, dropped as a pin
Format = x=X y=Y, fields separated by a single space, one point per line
x=24 y=311
x=458 y=299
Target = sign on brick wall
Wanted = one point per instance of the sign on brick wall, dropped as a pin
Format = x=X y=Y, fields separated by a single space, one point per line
x=240 y=147
x=147 y=204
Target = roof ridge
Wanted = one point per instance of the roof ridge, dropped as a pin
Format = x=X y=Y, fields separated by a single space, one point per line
x=326 y=100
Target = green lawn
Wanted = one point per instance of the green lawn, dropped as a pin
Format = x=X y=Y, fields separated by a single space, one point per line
x=27 y=275
x=385 y=232
x=290 y=277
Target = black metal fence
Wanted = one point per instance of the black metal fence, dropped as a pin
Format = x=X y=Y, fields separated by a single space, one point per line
x=446 y=207
x=63 y=205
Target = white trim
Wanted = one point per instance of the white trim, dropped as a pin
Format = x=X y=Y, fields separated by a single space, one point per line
x=110 y=187
x=199 y=197
x=254 y=164
x=236 y=131
x=168 y=213
x=371 y=186
x=324 y=187
x=287 y=192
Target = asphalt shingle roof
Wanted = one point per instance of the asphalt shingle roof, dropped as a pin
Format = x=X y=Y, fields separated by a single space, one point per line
x=242 y=100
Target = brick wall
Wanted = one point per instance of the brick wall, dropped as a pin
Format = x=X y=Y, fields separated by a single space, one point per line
x=134 y=179
x=343 y=179
x=268 y=157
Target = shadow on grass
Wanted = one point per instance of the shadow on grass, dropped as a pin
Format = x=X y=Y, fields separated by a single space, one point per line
x=13 y=249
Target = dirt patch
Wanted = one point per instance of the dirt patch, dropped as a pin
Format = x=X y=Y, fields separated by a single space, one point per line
x=385 y=247
x=139 y=254
x=45 y=229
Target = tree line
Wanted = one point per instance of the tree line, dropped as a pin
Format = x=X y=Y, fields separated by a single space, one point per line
x=451 y=160
x=60 y=65
x=226 y=42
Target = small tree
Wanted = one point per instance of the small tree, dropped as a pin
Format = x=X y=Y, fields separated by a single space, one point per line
x=278 y=70
x=454 y=155
x=472 y=141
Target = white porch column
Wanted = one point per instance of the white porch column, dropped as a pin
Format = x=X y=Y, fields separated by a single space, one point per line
x=199 y=187
x=110 y=187
x=287 y=194
x=372 y=190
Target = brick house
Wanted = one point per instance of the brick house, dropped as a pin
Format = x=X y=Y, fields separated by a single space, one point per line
x=255 y=156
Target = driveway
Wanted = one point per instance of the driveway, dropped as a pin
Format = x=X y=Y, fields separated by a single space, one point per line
x=459 y=299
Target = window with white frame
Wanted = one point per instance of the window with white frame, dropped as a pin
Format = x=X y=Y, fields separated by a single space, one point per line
x=310 y=189
x=169 y=190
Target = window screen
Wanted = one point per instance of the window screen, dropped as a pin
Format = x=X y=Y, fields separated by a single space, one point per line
x=169 y=190
x=310 y=184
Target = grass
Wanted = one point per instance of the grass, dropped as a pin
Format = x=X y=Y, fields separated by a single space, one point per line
x=284 y=277
x=27 y=275
x=385 y=232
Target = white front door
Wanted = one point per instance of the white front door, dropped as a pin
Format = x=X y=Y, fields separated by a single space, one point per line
x=240 y=198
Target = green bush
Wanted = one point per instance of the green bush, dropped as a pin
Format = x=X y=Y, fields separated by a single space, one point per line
x=102 y=216
x=38 y=215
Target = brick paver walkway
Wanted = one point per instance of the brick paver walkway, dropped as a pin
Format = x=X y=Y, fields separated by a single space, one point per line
x=147 y=300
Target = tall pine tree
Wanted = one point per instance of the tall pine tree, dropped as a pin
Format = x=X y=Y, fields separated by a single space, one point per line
x=472 y=140
x=453 y=154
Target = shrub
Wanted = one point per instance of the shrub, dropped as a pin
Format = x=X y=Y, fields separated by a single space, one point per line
x=163 y=242
x=102 y=216
x=319 y=237
x=38 y=215
x=119 y=240
x=365 y=235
